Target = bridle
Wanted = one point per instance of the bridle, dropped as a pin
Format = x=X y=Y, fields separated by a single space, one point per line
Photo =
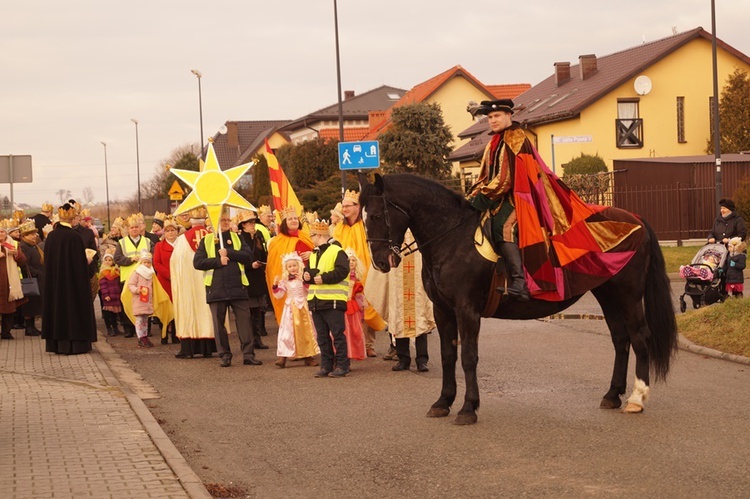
x=412 y=247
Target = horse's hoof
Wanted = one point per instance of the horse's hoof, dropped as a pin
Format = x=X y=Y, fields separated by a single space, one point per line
x=610 y=403
x=438 y=412
x=633 y=408
x=464 y=419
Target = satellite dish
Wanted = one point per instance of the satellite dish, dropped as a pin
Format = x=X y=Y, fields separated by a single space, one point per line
x=642 y=85
x=223 y=129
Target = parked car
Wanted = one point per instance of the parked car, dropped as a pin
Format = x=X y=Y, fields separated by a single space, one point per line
x=98 y=224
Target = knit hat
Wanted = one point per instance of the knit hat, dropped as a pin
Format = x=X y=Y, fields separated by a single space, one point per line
x=727 y=203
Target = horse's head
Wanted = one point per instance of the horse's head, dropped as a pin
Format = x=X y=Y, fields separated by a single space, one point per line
x=385 y=223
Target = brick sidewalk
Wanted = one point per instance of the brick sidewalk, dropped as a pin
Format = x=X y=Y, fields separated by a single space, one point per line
x=71 y=430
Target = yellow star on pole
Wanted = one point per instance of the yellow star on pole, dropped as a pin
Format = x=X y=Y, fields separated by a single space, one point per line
x=213 y=187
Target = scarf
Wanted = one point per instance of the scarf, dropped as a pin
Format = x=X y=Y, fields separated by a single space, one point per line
x=145 y=272
x=14 y=281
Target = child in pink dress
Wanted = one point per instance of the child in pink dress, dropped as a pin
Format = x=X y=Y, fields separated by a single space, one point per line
x=296 y=336
x=355 y=306
x=141 y=284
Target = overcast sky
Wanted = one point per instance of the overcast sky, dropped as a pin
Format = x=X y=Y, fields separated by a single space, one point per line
x=74 y=73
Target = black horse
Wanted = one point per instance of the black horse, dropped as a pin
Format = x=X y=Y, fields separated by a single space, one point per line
x=636 y=301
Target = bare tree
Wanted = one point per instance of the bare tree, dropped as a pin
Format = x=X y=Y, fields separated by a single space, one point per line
x=63 y=194
x=88 y=195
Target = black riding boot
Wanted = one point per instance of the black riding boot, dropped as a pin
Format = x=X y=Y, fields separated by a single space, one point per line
x=256 y=318
x=514 y=272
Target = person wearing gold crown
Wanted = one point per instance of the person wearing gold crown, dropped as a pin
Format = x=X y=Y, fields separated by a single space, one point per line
x=290 y=238
x=223 y=258
x=68 y=322
x=328 y=277
x=11 y=294
x=43 y=219
x=34 y=267
x=162 y=255
x=265 y=227
x=126 y=256
x=192 y=315
x=89 y=240
x=157 y=227
x=351 y=234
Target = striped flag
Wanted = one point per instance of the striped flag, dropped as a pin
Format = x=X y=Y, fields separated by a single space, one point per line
x=283 y=194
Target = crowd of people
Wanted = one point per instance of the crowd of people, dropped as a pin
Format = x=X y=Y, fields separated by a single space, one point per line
x=183 y=278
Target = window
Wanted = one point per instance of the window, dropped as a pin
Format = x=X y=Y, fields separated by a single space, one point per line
x=681 y=120
x=628 y=126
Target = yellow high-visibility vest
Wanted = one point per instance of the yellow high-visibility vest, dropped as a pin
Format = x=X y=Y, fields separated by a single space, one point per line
x=211 y=253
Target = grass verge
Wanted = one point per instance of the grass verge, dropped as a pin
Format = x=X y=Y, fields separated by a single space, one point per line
x=723 y=326
x=678 y=255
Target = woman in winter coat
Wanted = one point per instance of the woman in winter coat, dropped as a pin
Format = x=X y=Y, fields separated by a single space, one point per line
x=34 y=267
x=11 y=295
x=727 y=225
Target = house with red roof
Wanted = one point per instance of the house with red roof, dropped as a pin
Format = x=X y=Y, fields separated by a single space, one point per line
x=651 y=100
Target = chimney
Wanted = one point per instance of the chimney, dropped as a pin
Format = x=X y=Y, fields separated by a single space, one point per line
x=348 y=94
x=233 y=134
x=587 y=65
x=562 y=73
x=375 y=119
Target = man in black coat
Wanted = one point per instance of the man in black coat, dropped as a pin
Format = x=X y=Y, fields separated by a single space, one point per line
x=226 y=286
x=89 y=242
x=43 y=219
x=68 y=322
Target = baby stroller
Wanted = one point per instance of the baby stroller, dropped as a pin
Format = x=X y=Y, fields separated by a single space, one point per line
x=705 y=276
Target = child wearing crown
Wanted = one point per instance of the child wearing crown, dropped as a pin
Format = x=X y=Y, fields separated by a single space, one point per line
x=141 y=284
x=355 y=306
x=296 y=331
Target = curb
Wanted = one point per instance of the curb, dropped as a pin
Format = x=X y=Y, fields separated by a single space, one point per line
x=189 y=480
x=682 y=342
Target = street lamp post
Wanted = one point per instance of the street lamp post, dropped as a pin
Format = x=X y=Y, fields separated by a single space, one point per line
x=715 y=105
x=338 y=80
x=198 y=75
x=106 y=183
x=137 y=164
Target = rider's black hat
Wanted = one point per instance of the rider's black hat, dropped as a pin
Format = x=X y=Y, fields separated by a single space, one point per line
x=489 y=106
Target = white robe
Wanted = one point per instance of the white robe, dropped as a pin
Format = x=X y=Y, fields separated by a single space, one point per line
x=192 y=313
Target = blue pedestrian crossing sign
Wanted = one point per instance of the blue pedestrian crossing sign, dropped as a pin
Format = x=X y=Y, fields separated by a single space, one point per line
x=359 y=155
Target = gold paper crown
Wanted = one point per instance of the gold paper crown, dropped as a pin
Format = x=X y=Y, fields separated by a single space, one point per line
x=85 y=212
x=319 y=227
x=244 y=216
x=290 y=256
x=18 y=215
x=160 y=216
x=264 y=208
x=169 y=221
x=9 y=224
x=134 y=219
x=67 y=211
x=352 y=196
x=288 y=211
x=199 y=213
x=27 y=227
x=311 y=217
x=46 y=207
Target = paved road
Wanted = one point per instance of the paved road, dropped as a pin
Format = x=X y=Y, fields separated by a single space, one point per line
x=280 y=432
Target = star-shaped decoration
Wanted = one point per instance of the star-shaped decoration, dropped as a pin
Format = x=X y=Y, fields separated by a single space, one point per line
x=212 y=187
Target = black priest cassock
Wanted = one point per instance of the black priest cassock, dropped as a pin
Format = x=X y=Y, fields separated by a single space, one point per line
x=68 y=322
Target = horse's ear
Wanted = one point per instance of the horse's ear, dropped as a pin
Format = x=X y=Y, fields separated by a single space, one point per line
x=363 y=180
x=379 y=183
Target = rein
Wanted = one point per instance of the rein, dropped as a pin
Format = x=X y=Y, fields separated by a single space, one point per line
x=408 y=249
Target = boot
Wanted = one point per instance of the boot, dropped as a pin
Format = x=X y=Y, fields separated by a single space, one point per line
x=256 y=319
x=281 y=362
x=30 y=328
x=110 y=331
x=129 y=331
x=262 y=324
x=514 y=272
x=310 y=361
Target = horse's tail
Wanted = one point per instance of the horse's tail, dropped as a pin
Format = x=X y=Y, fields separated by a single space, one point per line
x=660 y=315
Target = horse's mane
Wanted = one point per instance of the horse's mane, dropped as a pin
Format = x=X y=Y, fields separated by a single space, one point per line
x=427 y=191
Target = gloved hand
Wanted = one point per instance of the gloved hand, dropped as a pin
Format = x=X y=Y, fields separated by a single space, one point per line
x=732 y=263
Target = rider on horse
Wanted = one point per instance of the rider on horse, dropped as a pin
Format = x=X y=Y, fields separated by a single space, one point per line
x=493 y=190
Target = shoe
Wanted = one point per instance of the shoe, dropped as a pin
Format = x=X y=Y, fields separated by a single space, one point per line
x=252 y=362
x=111 y=331
x=116 y=331
x=183 y=355
x=6 y=336
x=165 y=341
x=260 y=346
x=371 y=352
x=144 y=343
x=310 y=361
x=226 y=362
x=323 y=373
x=32 y=331
x=175 y=339
x=281 y=362
x=339 y=372
x=129 y=334
x=422 y=368
x=391 y=355
x=401 y=366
